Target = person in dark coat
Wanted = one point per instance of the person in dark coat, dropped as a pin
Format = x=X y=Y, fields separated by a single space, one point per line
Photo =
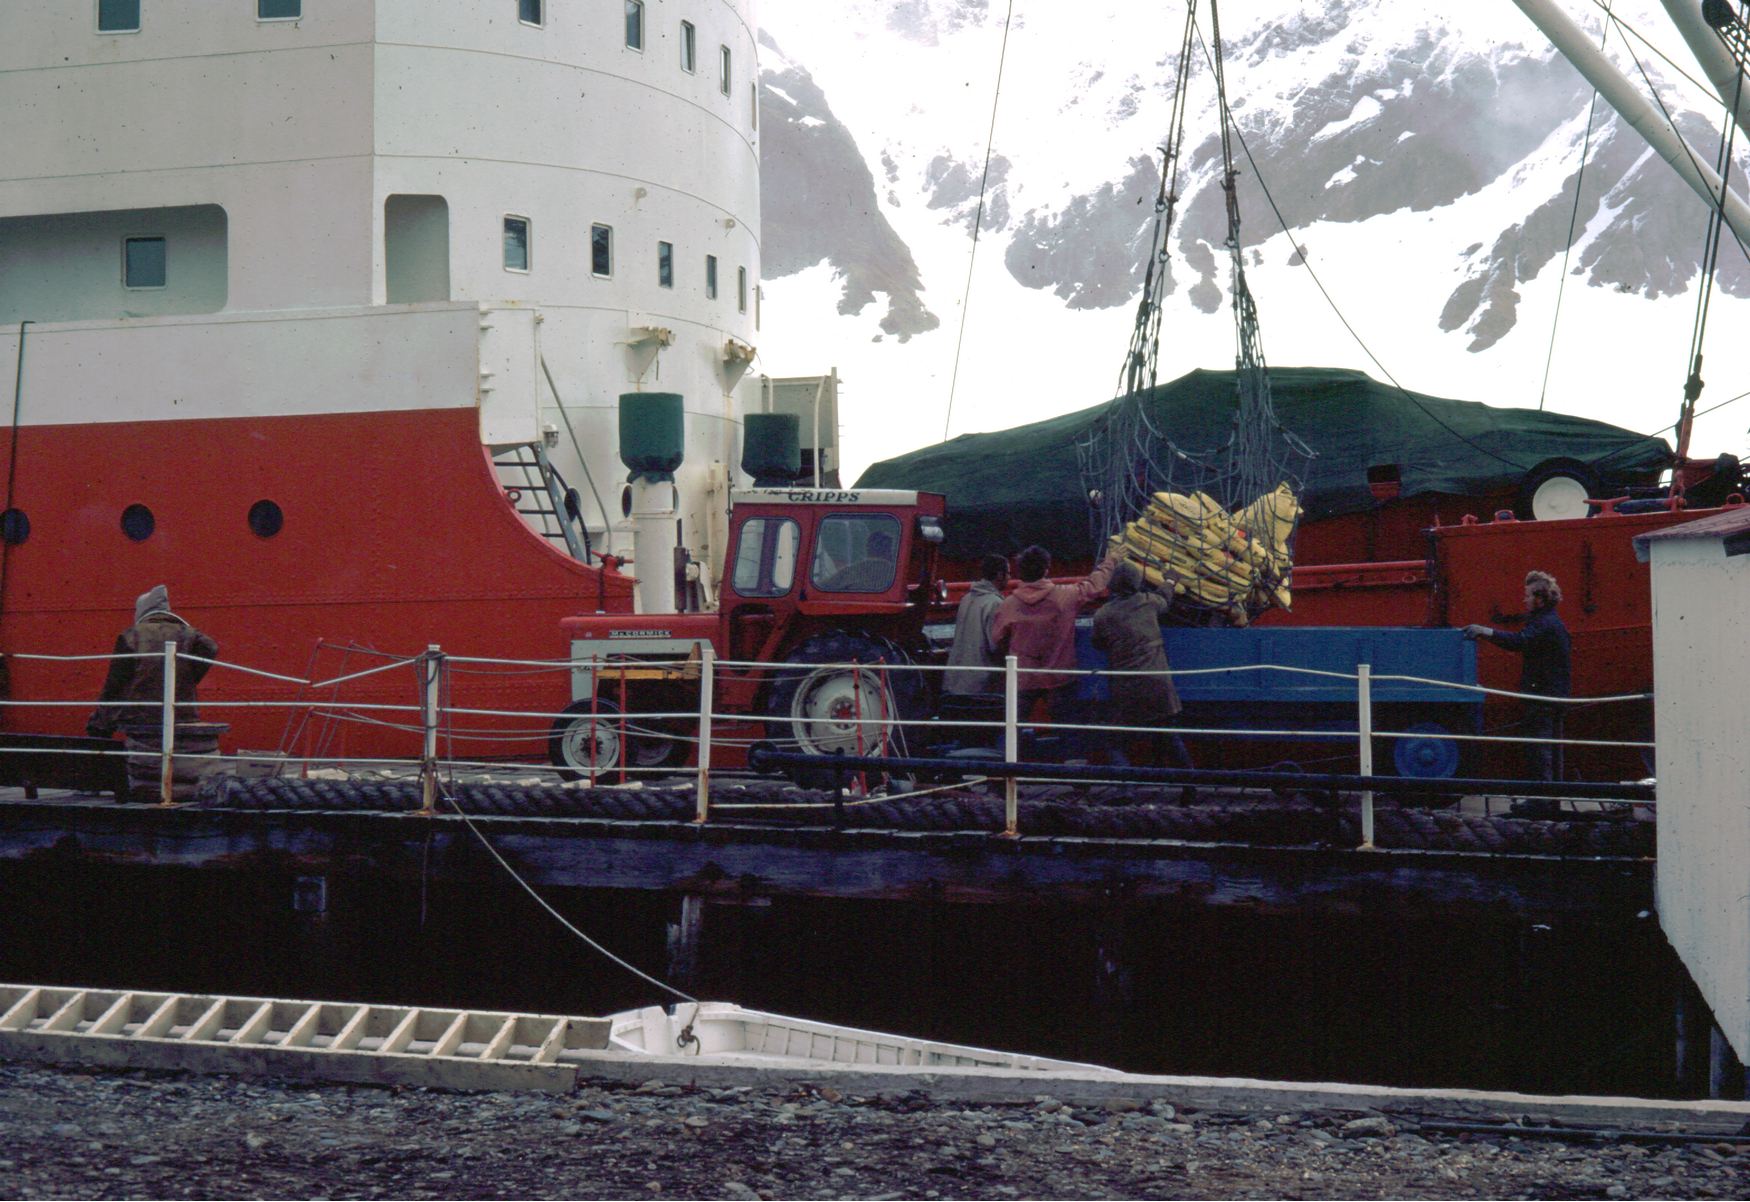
x=140 y=682
x=1547 y=672
x=1128 y=629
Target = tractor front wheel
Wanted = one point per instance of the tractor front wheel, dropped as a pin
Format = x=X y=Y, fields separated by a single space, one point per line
x=587 y=741
x=646 y=743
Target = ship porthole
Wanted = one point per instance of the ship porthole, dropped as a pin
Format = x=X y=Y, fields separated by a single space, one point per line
x=138 y=523
x=14 y=526
x=265 y=518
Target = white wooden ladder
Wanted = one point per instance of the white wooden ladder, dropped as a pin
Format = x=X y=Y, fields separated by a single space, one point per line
x=462 y=1049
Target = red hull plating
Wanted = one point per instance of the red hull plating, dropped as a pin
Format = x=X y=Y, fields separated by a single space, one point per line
x=1476 y=573
x=396 y=535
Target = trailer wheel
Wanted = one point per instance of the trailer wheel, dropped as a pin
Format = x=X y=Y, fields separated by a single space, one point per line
x=819 y=701
x=1427 y=752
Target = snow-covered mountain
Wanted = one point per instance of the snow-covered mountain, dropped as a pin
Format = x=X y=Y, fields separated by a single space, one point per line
x=1425 y=158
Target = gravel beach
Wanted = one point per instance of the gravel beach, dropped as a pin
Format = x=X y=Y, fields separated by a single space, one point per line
x=132 y=1135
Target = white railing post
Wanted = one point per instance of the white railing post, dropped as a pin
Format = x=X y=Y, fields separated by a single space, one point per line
x=1011 y=745
x=167 y=730
x=707 y=691
x=1364 y=697
x=428 y=719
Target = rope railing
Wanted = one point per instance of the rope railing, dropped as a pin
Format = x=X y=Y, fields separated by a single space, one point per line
x=873 y=727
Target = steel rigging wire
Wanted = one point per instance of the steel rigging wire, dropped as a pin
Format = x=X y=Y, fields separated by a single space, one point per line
x=1313 y=275
x=1710 y=259
x=1142 y=362
x=1573 y=220
x=1628 y=33
x=978 y=219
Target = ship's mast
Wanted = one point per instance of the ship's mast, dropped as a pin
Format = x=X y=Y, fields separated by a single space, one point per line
x=1706 y=41
x=1648 y=121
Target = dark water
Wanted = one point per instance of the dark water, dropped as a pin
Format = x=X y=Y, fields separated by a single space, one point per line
x=1575 y=1007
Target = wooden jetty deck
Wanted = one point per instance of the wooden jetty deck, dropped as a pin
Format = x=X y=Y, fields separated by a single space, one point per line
x=758 y=854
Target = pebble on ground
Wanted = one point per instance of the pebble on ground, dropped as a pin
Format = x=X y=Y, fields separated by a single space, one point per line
x=71 y=1134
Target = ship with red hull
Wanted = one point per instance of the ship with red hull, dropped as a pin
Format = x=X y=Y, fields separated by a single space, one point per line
x=1418 y=512
x=319 y=314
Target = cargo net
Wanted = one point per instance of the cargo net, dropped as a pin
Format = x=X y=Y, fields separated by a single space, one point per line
x=1216 y=525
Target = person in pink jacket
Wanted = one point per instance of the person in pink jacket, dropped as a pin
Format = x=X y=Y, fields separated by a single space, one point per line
x=1037 y=625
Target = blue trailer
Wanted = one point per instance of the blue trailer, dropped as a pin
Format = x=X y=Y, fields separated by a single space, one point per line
x=1236 y=684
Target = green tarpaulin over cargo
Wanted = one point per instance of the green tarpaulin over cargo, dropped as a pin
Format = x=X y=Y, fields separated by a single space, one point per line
x=1012 y=487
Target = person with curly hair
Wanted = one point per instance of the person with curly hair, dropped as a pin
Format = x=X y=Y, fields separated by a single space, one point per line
x=1547 y=672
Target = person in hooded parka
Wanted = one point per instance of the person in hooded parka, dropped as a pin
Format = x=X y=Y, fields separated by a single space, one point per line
x=1128 y=629
x=138 y=683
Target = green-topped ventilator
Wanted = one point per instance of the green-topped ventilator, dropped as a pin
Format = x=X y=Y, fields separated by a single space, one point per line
x=652 y=435
x=652 y=445
x=771 y=448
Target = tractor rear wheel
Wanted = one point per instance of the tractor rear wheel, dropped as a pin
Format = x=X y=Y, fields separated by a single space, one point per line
x=840 y=692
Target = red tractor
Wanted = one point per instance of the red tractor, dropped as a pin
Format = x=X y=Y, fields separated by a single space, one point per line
x=815 y=581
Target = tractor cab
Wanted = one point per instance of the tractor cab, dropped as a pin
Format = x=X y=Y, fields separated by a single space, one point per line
x=801 y=559
x=822 y=607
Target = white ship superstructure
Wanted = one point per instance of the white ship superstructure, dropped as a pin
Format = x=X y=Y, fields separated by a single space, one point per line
x=319 y=311
x=289 y=185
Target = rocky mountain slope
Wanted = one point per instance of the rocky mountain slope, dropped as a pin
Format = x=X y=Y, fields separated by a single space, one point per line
x=1425 y=158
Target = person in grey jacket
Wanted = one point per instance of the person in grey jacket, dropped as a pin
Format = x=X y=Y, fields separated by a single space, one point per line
x=973 y=664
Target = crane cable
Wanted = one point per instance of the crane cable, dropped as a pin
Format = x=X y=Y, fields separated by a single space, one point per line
x=1336 y=310
x=978 y=219
x=1573 y=220
x=1142 y=360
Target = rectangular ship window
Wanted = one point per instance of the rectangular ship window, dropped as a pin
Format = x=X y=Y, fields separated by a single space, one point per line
x=118 y=16
x=741 y=289
x=143 y=262
x=723 y=62
x=601 y=250
x=711 y=276
x=516 y=243
x=665 y=264
x=689 y=48
x=753 y=101
x=635 y=24
x=279 y=10
x=529 y=12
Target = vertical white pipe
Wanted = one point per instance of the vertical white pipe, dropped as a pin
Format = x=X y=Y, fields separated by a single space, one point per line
x=814 y=438
x=167 y=729
x=1364 y=694
x=1011 y=744
x=707 y=689
x=654 y=537
x=428 y=716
